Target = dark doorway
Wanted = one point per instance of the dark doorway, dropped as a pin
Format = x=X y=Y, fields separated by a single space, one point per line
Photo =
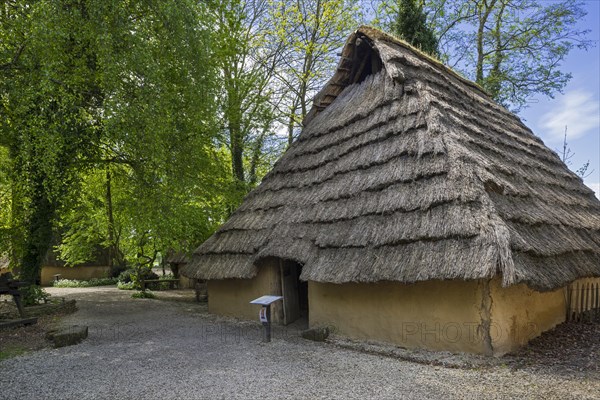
x=295 y=292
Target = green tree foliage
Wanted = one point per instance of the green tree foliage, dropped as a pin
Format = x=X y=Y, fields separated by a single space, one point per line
x=410 y=24
x=41 y=122
x=246 y=59
x=311 y=32
x=513 y=49
x=107 y=127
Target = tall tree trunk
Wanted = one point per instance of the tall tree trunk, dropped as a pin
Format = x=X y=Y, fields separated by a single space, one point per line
x=237 y=151
x=256 y=152
x=494 y=85
x=308 y=61
x=484 y=12
x=17 y=239
x=233 y=116
x=39 y=234
x=110 y=219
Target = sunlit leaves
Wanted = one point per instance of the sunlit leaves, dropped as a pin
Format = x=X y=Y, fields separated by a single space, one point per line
x=125 y=87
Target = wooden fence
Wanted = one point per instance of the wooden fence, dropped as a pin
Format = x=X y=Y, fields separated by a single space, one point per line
x=583 y=301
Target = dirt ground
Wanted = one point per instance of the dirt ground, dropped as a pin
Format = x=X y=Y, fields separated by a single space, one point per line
x=172 y=348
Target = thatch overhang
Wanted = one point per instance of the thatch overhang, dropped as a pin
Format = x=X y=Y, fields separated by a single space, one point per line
x=177 y=257
x=407 y=172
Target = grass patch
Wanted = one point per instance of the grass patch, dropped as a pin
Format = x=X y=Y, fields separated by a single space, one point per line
x=143 y=295
x=11 y=351
x=127 y=285
x=73 y=283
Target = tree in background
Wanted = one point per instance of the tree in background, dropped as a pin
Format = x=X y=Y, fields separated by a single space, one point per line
x=312 y=31
x=42 y=127
x=108 y=127
x=246 y=58
x=272 y=58
x=566 y=154
x=409 y=23
x=512 y=48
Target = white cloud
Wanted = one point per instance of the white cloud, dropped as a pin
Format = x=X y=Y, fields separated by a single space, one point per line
x=578 y=110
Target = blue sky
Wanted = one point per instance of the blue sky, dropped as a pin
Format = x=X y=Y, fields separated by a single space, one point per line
x=578 y=107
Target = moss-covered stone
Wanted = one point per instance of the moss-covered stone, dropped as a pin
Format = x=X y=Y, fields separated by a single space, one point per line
x=68 y=336
x=316 y=334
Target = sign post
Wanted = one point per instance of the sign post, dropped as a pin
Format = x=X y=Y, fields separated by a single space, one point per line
x=264 y=313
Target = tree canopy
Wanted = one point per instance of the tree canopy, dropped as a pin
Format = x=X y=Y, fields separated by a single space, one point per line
x=107 y=110
x=410 y=24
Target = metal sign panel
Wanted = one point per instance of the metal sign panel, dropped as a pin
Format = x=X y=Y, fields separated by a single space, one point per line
x=266 y=300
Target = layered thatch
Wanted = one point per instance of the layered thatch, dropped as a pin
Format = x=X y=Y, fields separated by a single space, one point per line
x=177 y=257
x=407 y=172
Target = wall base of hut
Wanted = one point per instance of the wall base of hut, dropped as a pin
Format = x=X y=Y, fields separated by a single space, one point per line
x=83 y=273
x=480 y=317
x=459 y=316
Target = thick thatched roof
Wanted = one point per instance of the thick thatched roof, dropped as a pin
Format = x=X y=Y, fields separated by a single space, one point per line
x=407 y=172
x=177 y=257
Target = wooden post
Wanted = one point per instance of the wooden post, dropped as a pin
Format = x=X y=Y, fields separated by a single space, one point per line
x=590 y=302
x=569 y=294
x=597 y=300
x=268 y=325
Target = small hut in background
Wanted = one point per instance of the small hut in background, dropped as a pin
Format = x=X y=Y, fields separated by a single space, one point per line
x=412 y=209
x=53 y=268
x=176 y=260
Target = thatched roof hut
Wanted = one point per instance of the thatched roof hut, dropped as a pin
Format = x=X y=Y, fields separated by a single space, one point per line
x=177 y=257
x=407 y=172
x=425 y=179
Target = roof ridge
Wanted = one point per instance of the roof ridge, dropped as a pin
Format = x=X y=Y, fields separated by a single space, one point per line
x=377 y=34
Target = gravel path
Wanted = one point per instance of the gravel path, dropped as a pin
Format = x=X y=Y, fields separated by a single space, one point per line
x=157 y=349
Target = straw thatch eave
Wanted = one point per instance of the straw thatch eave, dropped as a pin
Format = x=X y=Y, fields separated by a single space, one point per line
x=406 y=171
x=177 y=257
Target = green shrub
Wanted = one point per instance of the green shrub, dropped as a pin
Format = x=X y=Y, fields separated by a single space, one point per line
x=130 y=275
x=73 y=283
x=149 y=274
x=143 y=295
x=33 y=294
x=127 y=285
x=125 y=276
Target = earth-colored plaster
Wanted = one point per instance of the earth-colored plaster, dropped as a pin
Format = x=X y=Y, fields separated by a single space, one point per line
x=232 y=296
x=437 y=315
x=519 y=313
x=459 y=316
x=79 y=273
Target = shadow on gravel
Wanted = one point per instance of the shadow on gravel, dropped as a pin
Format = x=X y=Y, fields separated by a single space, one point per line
x=570 y=349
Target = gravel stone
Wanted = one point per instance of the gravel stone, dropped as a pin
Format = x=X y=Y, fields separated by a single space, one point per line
x=156 y=349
